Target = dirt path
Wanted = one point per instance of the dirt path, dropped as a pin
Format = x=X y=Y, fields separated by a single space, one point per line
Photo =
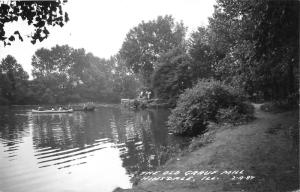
x=264 y=154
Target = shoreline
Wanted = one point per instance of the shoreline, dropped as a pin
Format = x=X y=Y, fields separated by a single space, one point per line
x=261 y=155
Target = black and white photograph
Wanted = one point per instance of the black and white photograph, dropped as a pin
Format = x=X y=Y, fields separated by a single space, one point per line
x=149 y=96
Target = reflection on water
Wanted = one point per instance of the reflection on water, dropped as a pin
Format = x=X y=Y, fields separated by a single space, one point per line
x=95 y=151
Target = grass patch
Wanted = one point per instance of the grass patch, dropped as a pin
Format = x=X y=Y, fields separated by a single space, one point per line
x=201 y=140
x=274 y=129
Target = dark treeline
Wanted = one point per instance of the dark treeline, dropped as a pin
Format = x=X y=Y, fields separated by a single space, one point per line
x=252 y=46
x=65 y=75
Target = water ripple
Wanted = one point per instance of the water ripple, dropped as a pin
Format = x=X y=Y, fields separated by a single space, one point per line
x=61 y=152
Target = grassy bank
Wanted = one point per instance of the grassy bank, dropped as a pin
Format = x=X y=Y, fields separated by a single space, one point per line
x=258 y=156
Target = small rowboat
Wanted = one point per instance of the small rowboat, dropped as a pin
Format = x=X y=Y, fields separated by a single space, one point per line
x=52 y=111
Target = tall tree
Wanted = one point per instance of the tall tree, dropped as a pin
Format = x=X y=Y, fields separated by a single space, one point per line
x=51 y=72
x=13 y=80
x=56 y=60
x=173 y=74
x=145 y=43
x=124 y=82
x=260 y=42
x=202 y=54
x=67 y=74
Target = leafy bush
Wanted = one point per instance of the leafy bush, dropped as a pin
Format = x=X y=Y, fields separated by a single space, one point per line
x=201 y=104
x=239 y=113
x=227 y=115
x=245 y=108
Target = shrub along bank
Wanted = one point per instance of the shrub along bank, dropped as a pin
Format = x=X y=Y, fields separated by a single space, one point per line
x=208 y=100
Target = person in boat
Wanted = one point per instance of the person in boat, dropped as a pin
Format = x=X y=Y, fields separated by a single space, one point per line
x=40 y=109
x=60 y=108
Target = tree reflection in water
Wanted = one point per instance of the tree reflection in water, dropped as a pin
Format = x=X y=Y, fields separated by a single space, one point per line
x=61 y=139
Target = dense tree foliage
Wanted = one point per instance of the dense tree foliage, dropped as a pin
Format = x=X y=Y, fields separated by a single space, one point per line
x=202 y=54
x=125 y=83
x=56 y=60
x=64 y=74
x=173 y=74
x=145 y=43
x=251 y=45
x=39 y=14
x=260 y=42
x=13 y=86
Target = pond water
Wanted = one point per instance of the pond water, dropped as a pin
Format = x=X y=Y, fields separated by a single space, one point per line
x=93 y=151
